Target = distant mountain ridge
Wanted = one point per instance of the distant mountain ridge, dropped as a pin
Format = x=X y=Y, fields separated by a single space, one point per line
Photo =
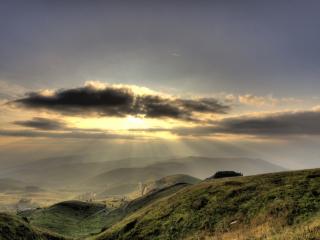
x=194 y=166
x=71 y=172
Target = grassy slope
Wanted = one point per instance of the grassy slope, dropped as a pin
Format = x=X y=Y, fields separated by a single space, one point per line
x=270 y=206
x=174 y=179
x=14 y=227
x=68 y=218
x=166 y=181
x=152 y=197
x=78 y=219
x=116 y=215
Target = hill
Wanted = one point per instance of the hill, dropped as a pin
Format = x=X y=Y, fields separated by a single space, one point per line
x=14 y=227
x=71 y=171
x=153 y=196
x=168 y=181
x=133 y=177
x=202 y=167
x=66 y=170
x=282 y=205
x=124 y=175
x=57 y=171
x=67 y=218
x=199 y=167
x=107 y=219
x=79 y=219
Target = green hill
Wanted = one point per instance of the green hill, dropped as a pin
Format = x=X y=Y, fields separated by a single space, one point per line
x=169 y=181
x=68 y=218
x=150 y=185
x=79 y=219
x=15 y=228
x=122 y=181
x=177 y=178
x=118 y=214
x=153 y=197
x=271 y=206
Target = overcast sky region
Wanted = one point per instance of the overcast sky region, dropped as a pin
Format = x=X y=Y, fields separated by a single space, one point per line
x=115 y=79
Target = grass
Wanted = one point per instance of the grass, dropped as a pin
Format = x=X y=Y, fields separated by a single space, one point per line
x=77 y=219
x=284 y=206
x=70 y=218
x=170 y=180
x=270 y=206
x=116 y=215
x=14 y=227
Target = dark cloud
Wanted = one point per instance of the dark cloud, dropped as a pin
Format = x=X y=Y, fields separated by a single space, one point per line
x=287 y=123
x=273 y=125
x=41 y=123
x=67 y=134
x=112 y=101
x=203 y=105
x=157 y=107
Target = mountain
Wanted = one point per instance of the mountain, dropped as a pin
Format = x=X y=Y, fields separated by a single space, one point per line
x=146 y=187
x=199 y=167
x=71 y=171
x=282 y=205
x=124 y=175
x=65 y=171
x=202 y=167
x=168 y=181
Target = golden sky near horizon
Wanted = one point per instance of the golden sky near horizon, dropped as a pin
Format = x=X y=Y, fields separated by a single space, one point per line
x=143 y=113
x=210 y=78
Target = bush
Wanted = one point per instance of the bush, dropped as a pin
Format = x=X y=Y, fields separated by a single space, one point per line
x=224 y=174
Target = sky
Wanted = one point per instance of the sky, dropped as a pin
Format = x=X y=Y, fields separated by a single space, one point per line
x=114 y=79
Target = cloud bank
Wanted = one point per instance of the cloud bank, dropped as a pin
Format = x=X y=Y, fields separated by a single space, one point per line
x=41 y=123
x=120 y=102
x=86 y=134
x=296 y=123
